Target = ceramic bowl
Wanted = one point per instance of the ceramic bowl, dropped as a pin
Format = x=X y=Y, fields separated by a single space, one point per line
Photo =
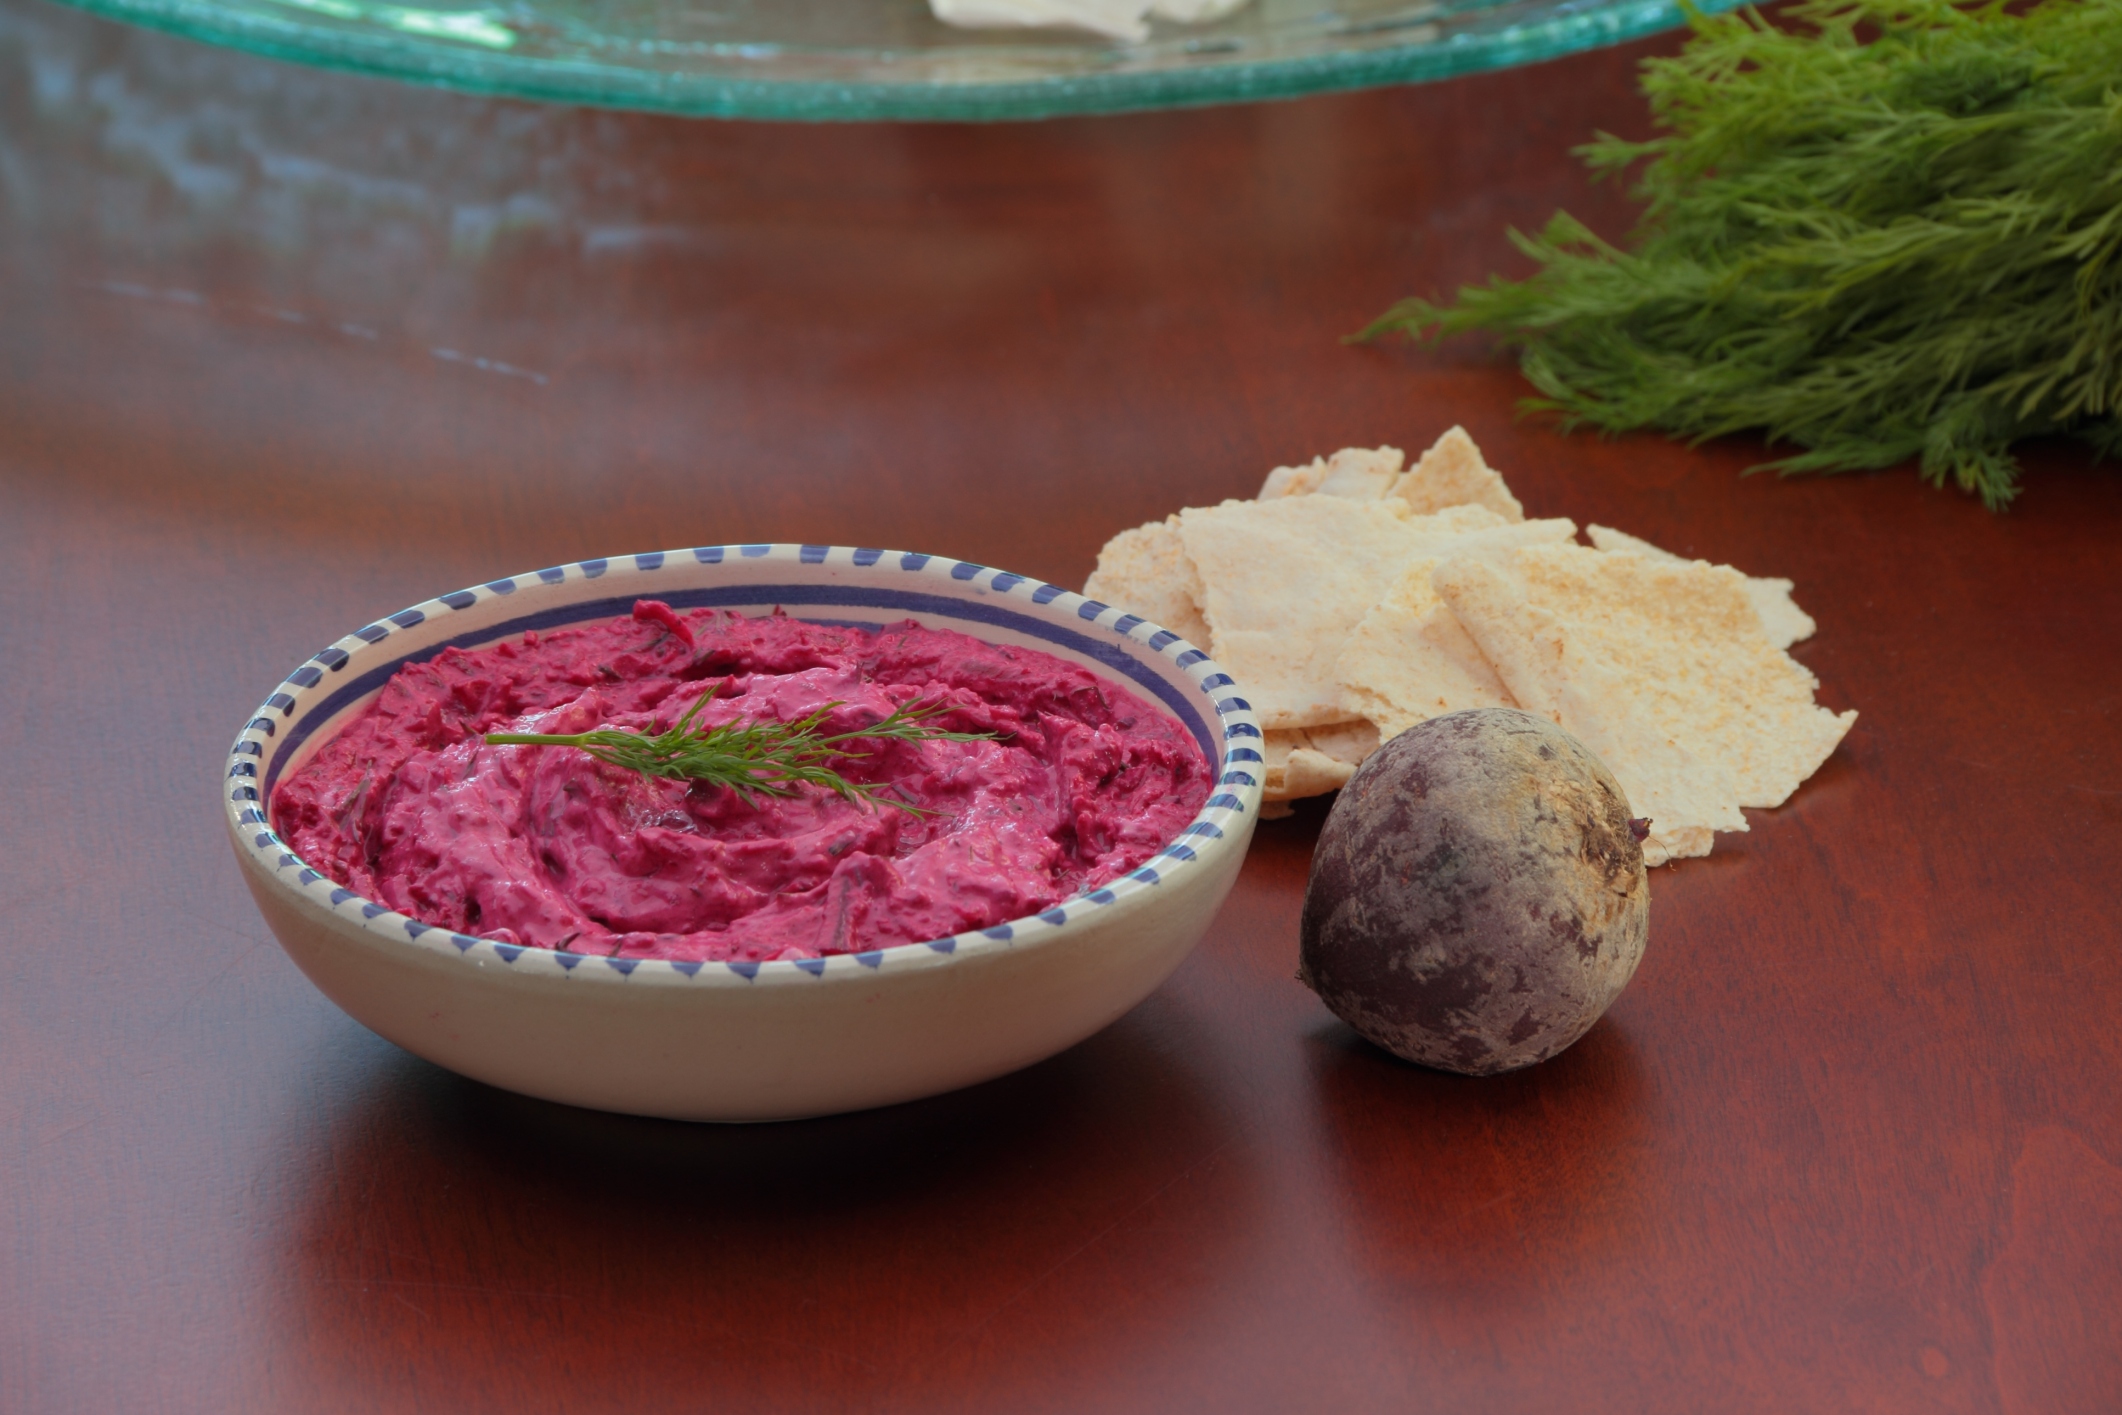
x=753 y=1041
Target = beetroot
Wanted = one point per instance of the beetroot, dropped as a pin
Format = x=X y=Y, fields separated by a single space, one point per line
x=1478 y=896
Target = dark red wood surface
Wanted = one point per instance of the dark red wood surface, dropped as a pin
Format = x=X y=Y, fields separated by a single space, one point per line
x=281 y=351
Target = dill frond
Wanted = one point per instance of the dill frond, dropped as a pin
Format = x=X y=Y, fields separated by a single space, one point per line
x=1893 y=235
x=753 y=759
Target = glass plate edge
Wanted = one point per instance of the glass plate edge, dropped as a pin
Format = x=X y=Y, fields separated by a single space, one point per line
x=708 y=96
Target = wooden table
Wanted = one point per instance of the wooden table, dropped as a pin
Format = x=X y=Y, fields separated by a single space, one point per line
x=281 y=351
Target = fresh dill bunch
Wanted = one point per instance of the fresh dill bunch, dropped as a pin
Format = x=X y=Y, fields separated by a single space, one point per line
x=1893 y=235
x=753 y=759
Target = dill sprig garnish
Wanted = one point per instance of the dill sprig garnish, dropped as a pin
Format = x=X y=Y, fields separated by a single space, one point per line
x=753 y=759
x=1893 y=236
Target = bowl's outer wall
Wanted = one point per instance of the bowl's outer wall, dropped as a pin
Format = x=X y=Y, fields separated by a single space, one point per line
x=842 y=1041
x=785 y=1043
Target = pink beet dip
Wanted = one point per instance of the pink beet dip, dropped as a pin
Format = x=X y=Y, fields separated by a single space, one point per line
x=546 y=846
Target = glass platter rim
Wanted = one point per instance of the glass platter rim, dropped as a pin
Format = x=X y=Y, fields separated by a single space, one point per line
x=277 y=31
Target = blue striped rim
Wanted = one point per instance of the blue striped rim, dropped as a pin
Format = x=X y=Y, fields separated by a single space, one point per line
x=1100 y=649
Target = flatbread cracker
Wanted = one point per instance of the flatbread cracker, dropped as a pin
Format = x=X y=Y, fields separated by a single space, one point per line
x=1347 y=742
x=1687 y=635
x=1452 y=473
x=1781 y=619
x=1313 y=773
x=1353 y=602
x=1410 y=659
x=1662 y=668
x=1146 y=571
x=1301 y=762
x=1553 y=675
x=1275 y=746
x=1285 y=581
x=1359 y=473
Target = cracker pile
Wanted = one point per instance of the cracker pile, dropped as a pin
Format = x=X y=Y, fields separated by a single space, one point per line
x=1354 y=599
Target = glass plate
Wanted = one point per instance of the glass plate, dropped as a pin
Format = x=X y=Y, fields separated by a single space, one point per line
x=825 y=59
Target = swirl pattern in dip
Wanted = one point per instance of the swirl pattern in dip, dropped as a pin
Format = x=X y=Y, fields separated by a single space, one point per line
x=546 y=846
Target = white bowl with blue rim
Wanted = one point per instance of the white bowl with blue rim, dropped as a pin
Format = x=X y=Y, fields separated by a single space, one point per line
x=753 y=1041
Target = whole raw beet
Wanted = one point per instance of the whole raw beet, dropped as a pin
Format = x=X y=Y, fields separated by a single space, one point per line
x=1478 y=895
